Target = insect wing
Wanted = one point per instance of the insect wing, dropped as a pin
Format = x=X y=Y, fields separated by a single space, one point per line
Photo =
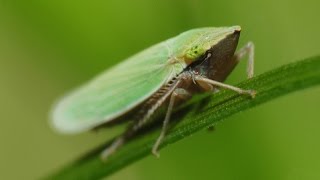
x=114 y=92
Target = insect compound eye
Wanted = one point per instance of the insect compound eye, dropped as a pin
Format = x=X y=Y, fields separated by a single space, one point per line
x=195 y=49
x=194 y=52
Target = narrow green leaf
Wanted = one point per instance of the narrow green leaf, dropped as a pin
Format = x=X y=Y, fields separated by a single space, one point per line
x=199 y=113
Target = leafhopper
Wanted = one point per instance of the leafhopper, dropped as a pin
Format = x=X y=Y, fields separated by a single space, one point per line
x=164 y=75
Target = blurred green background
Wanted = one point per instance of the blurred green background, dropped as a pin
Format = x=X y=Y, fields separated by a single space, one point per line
x=50 y=47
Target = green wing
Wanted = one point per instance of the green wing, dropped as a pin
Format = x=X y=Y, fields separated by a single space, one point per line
x=114 y=92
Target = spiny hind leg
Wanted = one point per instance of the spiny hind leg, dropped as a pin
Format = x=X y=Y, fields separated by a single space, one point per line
x=119 y=141
x=177 y=93
x=112 y=148
x=133 y=129
x=247 y=49
x=200 y=79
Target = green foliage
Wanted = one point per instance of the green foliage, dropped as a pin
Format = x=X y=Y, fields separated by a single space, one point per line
x=198 y=116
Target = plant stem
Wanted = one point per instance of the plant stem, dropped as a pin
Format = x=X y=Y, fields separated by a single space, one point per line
x=197 y=116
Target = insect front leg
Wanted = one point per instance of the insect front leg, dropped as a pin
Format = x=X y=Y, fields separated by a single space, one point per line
x=177 y=93
x=200 y=79
x=247 y=49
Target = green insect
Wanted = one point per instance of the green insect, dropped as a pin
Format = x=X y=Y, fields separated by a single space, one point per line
x=166 y=74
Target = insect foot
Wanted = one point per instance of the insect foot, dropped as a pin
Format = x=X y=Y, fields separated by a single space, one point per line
x=251 y=93
x=155 y=153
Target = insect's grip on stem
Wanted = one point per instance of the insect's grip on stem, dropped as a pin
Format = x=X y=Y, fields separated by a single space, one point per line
x=251 y=93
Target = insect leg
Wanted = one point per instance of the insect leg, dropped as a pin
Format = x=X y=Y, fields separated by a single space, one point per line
x=247 y=49
x=112 y=148
x=117 y=143
x=200 y=79
x=180 y=93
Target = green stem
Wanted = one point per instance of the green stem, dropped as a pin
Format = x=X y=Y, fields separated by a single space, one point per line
x=198 y=116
